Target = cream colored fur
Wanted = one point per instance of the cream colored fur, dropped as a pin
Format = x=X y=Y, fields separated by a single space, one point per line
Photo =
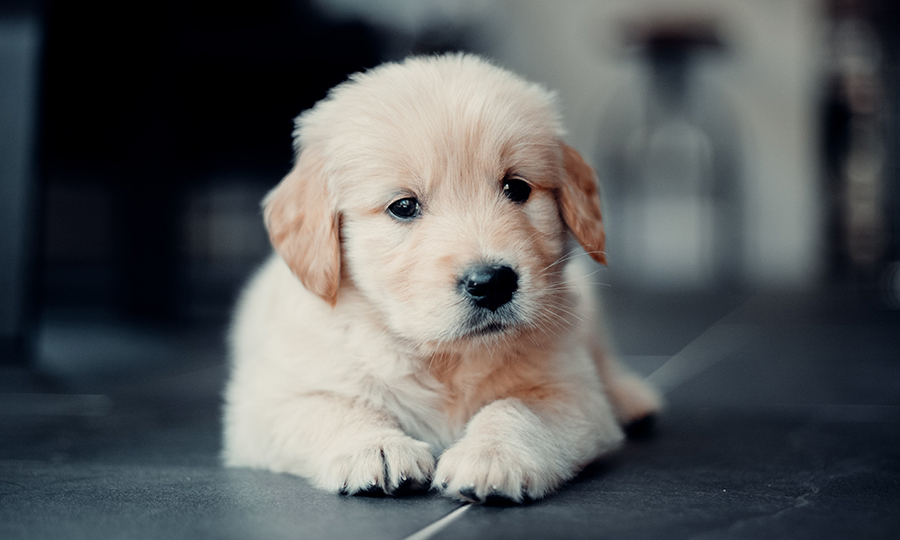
x=357 y=361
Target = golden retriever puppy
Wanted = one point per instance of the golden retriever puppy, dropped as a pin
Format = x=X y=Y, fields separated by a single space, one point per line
x=423 y=320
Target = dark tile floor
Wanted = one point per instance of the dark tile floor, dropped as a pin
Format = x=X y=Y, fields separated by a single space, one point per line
x=783 y=421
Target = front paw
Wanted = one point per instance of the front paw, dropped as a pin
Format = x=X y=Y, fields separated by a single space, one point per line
x=378 y=466
x=494 y=471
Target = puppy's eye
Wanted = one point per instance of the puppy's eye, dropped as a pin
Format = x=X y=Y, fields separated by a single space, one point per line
x=404 y=209
x=516 y=190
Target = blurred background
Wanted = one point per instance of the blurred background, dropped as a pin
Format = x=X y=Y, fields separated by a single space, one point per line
x=741 y=146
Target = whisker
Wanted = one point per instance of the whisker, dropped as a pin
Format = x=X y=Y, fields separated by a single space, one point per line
x=564 y=258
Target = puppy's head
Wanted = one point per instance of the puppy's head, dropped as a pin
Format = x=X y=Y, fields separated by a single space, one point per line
x=440 y=190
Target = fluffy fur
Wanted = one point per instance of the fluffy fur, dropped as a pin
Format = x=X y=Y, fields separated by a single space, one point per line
x=358 y=361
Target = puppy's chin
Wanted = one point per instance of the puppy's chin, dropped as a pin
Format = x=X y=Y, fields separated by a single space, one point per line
x=481 y=326
x=468 y=335
x=487 y=330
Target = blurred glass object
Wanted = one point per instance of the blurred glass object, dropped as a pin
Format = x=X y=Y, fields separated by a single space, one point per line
x=224 y=241
x=674 y=173
x=858 y=149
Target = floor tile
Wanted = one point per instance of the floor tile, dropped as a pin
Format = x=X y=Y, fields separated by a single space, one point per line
x=782 y=421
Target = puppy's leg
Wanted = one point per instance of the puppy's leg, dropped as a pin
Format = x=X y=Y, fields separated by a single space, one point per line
x=340 y=444
x=633 y=400
x=517 y=450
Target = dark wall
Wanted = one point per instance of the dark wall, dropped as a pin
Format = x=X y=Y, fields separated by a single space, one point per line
x=143 y=102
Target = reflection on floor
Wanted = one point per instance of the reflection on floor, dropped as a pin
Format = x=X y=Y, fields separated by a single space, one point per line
x=783 y=421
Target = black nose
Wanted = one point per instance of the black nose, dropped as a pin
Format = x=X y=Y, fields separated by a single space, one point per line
x=490 y=286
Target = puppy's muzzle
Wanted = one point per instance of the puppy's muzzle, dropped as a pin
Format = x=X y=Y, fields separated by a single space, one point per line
x=489 y=286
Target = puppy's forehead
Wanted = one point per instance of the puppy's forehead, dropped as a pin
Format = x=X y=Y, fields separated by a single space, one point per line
x=427 y=121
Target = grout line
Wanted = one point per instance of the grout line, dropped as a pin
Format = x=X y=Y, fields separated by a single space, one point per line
x=708 y=349
x=438 y=525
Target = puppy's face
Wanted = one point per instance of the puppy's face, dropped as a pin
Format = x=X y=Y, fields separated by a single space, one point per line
x=440 y=190
x=459 y=244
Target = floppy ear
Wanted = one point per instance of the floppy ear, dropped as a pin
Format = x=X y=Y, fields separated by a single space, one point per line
x=579 y=204
x=304 y=226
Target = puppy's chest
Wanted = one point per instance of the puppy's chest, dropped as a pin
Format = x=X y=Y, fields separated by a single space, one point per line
x=437 y=402
x=467 y=383
x=434 y=397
